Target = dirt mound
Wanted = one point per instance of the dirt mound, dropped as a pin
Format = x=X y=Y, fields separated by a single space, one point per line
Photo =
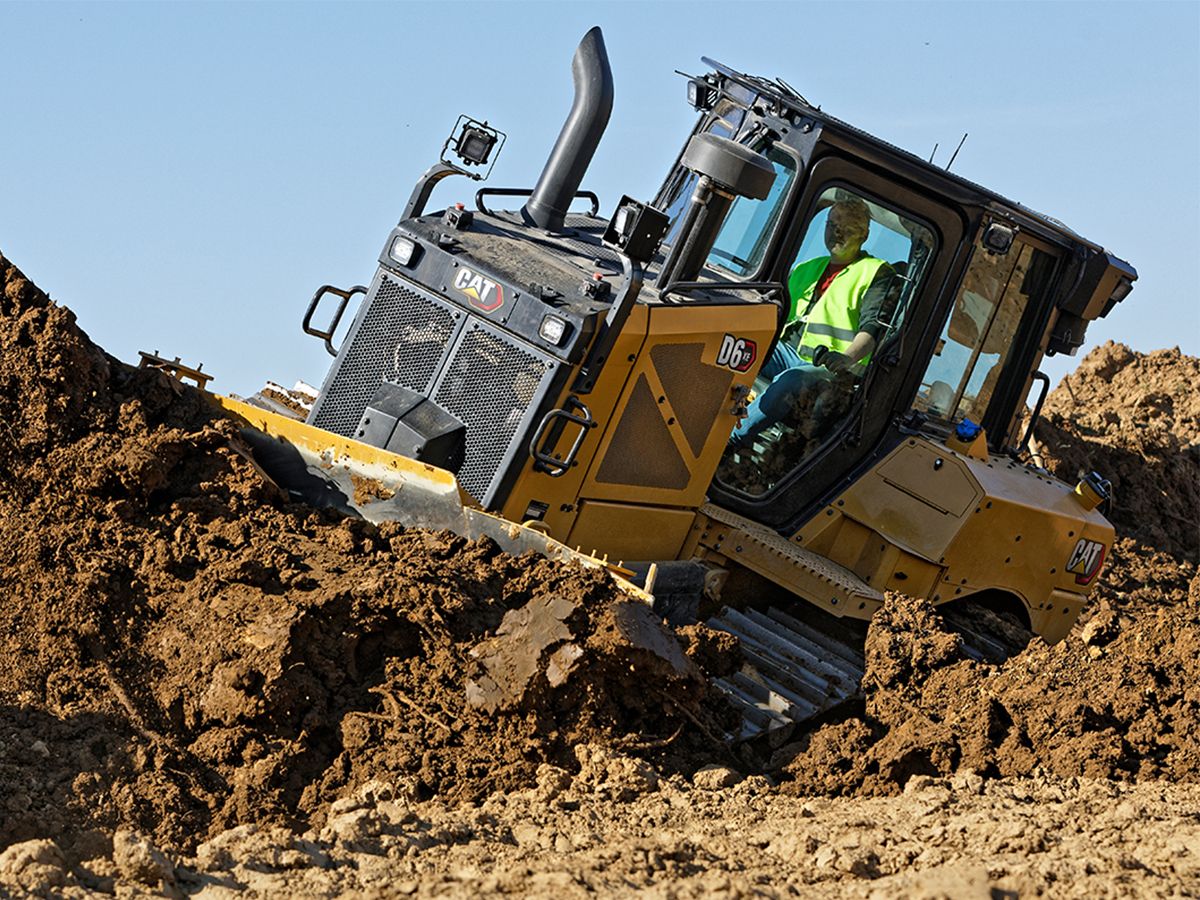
x=182 y=650
x=1119 y=698
x=1134 y=418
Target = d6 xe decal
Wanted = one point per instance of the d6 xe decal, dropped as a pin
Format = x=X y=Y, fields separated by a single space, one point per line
x=737 y=353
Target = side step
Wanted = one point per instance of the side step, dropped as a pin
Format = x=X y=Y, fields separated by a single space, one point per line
x=822 y=582
x=791 y=671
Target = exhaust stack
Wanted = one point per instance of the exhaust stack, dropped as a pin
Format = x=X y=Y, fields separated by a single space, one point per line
x=580 y=135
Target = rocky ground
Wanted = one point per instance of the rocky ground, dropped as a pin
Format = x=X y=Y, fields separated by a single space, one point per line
x=614 y=828
x=207 y=689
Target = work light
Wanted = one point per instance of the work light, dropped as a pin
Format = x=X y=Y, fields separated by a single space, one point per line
x=402 y=250
x=552 y=329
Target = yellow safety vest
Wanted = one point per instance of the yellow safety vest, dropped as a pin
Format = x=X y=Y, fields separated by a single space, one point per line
x=833 y=320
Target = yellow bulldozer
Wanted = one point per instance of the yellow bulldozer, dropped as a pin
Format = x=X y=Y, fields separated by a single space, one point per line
x=581 y=386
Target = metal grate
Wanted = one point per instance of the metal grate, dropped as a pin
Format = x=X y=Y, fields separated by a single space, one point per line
x=696 y=391
x=403 y=337
x=489 y=385
x=642 y=451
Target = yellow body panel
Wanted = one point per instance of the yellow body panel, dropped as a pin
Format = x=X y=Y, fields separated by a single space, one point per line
x=561 y=494
x=933 y=522
x=1057 y=613
x=697 y=330
x=665 y=405
x=629 y=532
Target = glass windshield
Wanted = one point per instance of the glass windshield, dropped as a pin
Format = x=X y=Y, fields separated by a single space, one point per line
x=743 y=239
x=975 y=343
x=857 y=268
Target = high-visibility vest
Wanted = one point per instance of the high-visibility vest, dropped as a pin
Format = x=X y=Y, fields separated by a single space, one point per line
x=833 y=320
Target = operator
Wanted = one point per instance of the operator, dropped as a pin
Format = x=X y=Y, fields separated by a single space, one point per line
x=837 y=302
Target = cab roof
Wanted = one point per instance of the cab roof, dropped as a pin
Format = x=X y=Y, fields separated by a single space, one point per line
x=958 y=188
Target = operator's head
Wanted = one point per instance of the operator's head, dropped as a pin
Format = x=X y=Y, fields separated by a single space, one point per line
x=846 y=229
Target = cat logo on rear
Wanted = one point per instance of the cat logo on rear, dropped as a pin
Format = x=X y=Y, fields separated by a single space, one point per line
x=1085 y=561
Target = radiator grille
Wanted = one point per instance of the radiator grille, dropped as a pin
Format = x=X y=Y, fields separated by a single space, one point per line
x=402 y=337
x=489 y=385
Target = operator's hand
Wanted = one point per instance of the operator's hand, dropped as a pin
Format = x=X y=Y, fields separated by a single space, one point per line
x=832 y=360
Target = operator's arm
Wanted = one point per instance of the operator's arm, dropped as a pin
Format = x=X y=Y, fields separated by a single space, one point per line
x=862 y=345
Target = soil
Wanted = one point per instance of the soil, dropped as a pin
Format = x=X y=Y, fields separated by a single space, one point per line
x=1120 y=696
x=1135 y=418
x=614 y=829
x=206 y=688
x=184 y=651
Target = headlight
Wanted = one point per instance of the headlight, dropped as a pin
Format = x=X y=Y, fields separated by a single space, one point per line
x=402 y=250
x=552 y=329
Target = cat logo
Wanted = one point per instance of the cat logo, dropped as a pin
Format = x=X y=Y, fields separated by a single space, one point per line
x=737 y=353
x=1085 y=561
x=483 y=293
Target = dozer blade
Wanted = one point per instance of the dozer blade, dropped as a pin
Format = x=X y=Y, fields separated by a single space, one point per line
x=327 y=470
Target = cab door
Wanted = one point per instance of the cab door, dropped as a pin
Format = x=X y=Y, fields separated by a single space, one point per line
x=836 y=424
x=982 y=363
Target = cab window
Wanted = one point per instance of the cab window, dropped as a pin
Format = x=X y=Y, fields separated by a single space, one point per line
x=975 y=344
x=857 y=267
x=748 y=227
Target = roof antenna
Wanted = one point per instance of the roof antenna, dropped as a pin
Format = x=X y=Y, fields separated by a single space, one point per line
x=795 y=93
x=932 y=152
x=956 y=149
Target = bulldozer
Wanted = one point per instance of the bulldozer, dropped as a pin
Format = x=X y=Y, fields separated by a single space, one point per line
x=569 y=383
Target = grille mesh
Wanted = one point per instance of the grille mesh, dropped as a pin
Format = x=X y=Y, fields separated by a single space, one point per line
x=696 y=391
x=488 y=385
x=403 y=338
x=642 y=451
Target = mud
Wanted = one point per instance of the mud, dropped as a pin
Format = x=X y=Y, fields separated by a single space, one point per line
x=204 y=687
x=183 y=651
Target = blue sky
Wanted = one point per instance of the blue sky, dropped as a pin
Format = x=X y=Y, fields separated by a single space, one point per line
x=184 y=175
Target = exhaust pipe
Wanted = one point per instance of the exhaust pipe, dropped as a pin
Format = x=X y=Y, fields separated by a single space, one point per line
x=580 y=135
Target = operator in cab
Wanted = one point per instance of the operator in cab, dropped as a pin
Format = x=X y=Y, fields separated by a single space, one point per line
x=838 y=307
